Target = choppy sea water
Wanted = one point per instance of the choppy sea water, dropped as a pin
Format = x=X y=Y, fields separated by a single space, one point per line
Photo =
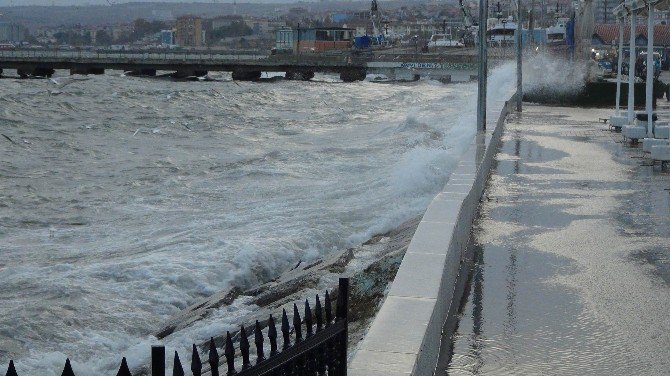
x=123 y=199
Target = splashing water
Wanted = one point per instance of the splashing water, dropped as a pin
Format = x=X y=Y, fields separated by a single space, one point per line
x=108 y=228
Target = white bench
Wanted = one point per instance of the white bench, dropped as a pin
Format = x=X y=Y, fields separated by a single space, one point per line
x=634 y=132
x=617 y=122
x=648 y=143
x=660 y=153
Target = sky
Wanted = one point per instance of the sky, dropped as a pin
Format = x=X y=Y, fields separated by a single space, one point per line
x=5 y=3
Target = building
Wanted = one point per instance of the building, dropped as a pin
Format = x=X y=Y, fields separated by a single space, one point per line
x=314 y=39
x=608 y=35
x=225 y=21
x=189 y=31
x=603 y=11
x=12 y=32
x=167 y=37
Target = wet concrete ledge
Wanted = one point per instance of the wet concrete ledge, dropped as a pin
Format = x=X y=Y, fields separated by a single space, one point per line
x=404 y=337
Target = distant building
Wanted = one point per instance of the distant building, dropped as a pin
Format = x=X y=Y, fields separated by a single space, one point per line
x=167 y=37
x=189 y=31
x=603 y=11
x=225 y=21
x=12 y=32
x=314 y=39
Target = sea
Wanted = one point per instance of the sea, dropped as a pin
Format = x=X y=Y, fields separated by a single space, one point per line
x=125 y=199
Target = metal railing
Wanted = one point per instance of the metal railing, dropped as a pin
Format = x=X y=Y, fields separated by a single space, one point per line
x=321 y=351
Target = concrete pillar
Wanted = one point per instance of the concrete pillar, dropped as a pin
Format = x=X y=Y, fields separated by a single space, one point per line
x=43 y=72
x=87 y=70
x=242 y=75
x=353 y=75
x=185 y=73
x=299 y=75
x=631 y=72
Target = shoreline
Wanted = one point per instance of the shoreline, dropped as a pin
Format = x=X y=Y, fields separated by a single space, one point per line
x=372 y=267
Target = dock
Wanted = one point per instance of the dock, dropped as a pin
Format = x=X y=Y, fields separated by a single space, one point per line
x=447 y=66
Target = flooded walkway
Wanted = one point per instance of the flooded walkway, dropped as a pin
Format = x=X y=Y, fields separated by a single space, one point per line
x=572 y=256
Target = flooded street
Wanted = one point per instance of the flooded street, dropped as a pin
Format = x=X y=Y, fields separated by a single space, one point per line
x=571 y=271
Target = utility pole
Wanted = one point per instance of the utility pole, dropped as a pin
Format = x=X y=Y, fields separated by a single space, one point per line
x=519 y=81
x=483 y=65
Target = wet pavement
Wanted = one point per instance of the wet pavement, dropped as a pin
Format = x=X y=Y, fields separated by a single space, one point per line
x=571 y=271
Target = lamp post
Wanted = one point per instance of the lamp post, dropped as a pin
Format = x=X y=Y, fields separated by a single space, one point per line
x=481 y=88
x=650 y=71
x=619 y=62
x=519 y=81
x=631 y=71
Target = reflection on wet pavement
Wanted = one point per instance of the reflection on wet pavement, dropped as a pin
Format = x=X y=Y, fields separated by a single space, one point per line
x=570 y=271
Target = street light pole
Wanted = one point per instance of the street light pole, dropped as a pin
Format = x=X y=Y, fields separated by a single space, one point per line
x=650 y=71
x=483 y=63
x=631 y=71
x=519 y=81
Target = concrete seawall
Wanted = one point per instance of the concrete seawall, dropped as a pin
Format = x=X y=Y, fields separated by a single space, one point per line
x=405 y=336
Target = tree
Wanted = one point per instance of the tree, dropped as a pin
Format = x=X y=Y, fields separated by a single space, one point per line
x=142 y=28
x=102 y=38
x=235 y=29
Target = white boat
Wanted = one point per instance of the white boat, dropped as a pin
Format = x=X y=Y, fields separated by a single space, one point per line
x=500 y=32
x=556 y=33
x=444 y=40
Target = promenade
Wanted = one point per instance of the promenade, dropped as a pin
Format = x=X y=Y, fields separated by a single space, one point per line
x=571 y=271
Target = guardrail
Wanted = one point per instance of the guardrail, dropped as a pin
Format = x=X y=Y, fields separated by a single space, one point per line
x=322 y=350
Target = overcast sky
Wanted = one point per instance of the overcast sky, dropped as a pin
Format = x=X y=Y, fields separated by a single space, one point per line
x=103 y=2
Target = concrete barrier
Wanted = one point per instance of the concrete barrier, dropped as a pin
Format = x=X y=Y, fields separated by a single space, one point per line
x=404 y=337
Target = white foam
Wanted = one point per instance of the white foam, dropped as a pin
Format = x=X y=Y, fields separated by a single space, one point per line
x=170 y=219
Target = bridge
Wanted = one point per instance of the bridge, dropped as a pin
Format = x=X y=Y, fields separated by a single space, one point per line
x=458 y=65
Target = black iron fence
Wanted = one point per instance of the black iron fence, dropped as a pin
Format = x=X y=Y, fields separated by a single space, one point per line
x=322 y=350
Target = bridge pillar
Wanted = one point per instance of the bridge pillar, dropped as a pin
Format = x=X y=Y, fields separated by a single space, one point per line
x=299 y=75
x=242 y=75
x=184 y=73
x=43 y=72
x=353 y=75
x=0 y=72
x=87 y=70
x=143 y=72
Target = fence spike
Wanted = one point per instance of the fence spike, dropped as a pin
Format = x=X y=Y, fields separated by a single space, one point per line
x=11 y=371
x=244 y=348
x=230 y=354
x=342 y=299
x=67 y=371
x=318 y=312
x=258 y=341
x=213 y=357
x=329 y=309
x=308 y=319
x=297 y=323
x=272 y=335
x=196 y=364
x=124 y=370
x=177 y=369
x=285 y=329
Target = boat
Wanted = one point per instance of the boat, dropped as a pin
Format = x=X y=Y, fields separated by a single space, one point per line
x=500 y=32
x=556 y=33
x=444 y=40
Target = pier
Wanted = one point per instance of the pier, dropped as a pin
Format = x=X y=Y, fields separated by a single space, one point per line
x=458 y=65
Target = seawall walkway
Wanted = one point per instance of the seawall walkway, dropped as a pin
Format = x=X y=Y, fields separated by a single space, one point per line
x=571 y=270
